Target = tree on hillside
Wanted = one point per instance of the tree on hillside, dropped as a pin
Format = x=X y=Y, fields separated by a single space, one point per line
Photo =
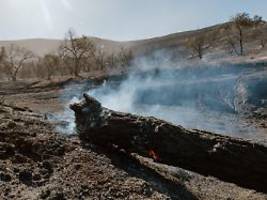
x=14 y=58
x=257 y=20
x=236 y=31
x=197 y=45
x=50 y=63
x=77 y=49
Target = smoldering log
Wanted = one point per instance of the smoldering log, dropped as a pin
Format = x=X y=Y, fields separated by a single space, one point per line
x=230 y=159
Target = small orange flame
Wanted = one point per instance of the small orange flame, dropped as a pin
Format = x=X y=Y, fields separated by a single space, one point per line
x=153 y=155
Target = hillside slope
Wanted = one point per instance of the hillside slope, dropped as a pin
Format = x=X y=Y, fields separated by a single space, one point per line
x=173 y=43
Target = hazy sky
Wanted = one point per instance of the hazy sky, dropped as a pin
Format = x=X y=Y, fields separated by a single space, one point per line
x=116 y=19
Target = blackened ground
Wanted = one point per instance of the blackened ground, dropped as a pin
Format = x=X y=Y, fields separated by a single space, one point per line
x=36 y=162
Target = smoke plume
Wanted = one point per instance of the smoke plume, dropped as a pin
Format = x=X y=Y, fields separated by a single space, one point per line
x=198 y=96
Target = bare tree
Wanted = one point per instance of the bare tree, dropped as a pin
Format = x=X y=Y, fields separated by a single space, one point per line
x=14 y=59
x=197 y=45
x=51 y=63
x=77 y=49
x=257 y=20
x=240 y=23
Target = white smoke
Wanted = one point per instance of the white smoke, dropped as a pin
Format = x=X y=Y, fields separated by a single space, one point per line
x=124 y=98
x=198 y=96
x=66 y=119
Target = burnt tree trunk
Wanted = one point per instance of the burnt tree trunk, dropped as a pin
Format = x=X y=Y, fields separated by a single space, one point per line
x=230 y=159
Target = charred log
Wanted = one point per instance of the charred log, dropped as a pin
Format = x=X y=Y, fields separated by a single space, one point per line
x=230 y=159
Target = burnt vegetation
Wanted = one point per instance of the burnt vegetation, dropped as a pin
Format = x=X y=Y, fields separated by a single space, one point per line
x=75 y=56
x=115 y=155
x=231 y=37
x=243 y=35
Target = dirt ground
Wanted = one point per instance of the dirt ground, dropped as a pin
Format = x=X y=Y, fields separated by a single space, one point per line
x=37 y=162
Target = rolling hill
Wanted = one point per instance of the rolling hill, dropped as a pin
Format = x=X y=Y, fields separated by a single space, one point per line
x=174 y=42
